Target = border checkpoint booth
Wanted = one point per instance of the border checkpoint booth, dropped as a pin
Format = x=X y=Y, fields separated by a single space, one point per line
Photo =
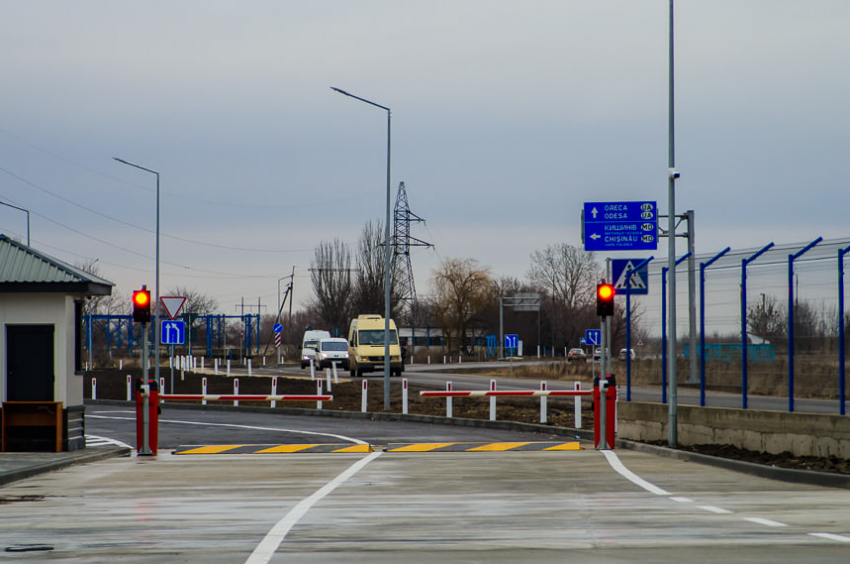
x=41 y=349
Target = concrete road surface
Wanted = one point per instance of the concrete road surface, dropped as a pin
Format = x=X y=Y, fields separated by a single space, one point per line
x=384 y=507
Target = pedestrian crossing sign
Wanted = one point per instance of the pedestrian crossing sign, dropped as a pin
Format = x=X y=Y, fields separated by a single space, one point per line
x=627 y=280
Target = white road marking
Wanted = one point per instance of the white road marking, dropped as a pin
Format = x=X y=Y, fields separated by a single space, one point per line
x=765 y=522
x=629 y=475
x=269 y=545
x=830 y=536
x=95 y=440
x=681 y=499
x=236 y=426
x=714 y=509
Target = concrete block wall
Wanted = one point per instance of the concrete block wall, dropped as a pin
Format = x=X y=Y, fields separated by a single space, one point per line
x=803 y=434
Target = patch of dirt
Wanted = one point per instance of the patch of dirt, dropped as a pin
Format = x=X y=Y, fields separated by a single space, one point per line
x=112 y=384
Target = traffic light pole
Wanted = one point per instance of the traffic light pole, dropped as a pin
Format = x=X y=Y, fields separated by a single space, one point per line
x=146 y=449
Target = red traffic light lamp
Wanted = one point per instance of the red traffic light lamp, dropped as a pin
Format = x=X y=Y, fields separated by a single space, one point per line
x=605 y=300
x=142 y=305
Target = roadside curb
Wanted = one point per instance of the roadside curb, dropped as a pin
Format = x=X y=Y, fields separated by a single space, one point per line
x=19 y=466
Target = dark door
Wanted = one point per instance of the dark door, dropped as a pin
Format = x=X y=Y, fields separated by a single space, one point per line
x=29 y=350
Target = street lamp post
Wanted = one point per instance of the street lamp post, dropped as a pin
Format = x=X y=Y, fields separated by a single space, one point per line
x=386 y=252
x=156 y=324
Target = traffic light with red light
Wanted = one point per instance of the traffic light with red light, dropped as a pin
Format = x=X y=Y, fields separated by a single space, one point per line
x=605 y=300
x=142 y=305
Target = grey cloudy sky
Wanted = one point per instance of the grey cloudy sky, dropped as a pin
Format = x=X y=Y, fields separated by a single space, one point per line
x=507 y=116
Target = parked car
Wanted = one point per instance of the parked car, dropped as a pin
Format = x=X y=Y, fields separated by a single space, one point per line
x=624 y=352
x=576 y=355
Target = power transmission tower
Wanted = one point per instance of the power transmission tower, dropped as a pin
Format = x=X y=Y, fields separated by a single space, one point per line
x=402 y=270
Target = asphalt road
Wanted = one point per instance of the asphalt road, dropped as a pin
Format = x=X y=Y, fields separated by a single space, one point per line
x=404 y=507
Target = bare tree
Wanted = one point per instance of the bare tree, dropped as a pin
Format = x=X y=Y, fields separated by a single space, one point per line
x=464 y=291
x=767 y=320
x=330 y=273
x=368 y=292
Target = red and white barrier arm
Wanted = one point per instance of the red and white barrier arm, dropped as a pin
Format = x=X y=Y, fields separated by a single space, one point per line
x=508 y=393
x=243 y=397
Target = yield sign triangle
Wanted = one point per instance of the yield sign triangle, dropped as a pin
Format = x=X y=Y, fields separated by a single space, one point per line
x=634 y=279
x=172 y=305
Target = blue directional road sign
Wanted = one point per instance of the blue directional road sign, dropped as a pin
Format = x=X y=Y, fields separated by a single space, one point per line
x=620 y=226
x=636 y=283
x=593 y=337
x=277 y=328
x=172 y=332
x=511 y=341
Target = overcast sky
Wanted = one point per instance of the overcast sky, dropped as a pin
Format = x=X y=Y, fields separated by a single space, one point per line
x=506 y=117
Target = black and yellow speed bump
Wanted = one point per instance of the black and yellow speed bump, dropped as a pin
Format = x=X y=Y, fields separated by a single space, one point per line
x=481 y=447
x=274 y=449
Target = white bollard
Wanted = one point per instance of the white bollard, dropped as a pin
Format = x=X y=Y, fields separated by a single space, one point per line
x=319 y=392
x=492 y=401
x=336 y=373
x=538 y=352
x=328 y=375
x=162 y=385
x=204 y=389
x=544 y=405
x=577 y=387
x=215 y=366
x=120 y=364
x=312 y=370
x=364 y=404
x=429 y=359
x=264 y=361
x=404 y=396
x=460 y=359
x=274 y=390
x=236 y=390
x=249 y=367
x=449 y=400
x=228 y=368
x=129 y=388
x=203 y=369
x=94 y=388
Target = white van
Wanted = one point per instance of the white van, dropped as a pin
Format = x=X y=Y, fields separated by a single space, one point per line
x=310 y=346
x=333 y=350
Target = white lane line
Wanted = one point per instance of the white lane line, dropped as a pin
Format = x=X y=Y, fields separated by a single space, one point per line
x=95 y=440
x=269 y=545
x=631 y=476
x=680 y=499
x=714 y=509
x=830 y=536
x=236 y=426
x=765 y=522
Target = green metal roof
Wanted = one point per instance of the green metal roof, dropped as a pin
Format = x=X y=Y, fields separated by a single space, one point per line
x=23 y=269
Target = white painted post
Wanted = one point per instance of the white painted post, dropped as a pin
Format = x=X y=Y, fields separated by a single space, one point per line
x=577 y=387
x=538 y=352
x=249 y=368
x=449 y=400
x=264 y=361
x=460 y=359
x=236 y=390
x=444 y=359
x=203 y=368
x=328 y=374
x=318 y=391
x=162 y=385
x=312 y=370
x=94 y=388
x=129 y=388
x=404 y=396
x=544 y=415
x=120 y=364
x=429 y=359
x=336 y=372
x=274 y=390
x=204 y=389
x=492 y=401
x=228 y=368
x=215 y=366
x=363 y=398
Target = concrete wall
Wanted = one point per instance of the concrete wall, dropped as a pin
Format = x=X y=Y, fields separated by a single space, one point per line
x=803 y=434
x=45 y=309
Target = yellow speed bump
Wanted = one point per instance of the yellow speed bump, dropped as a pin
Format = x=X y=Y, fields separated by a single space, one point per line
x=481 y=447
x=276 y=449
